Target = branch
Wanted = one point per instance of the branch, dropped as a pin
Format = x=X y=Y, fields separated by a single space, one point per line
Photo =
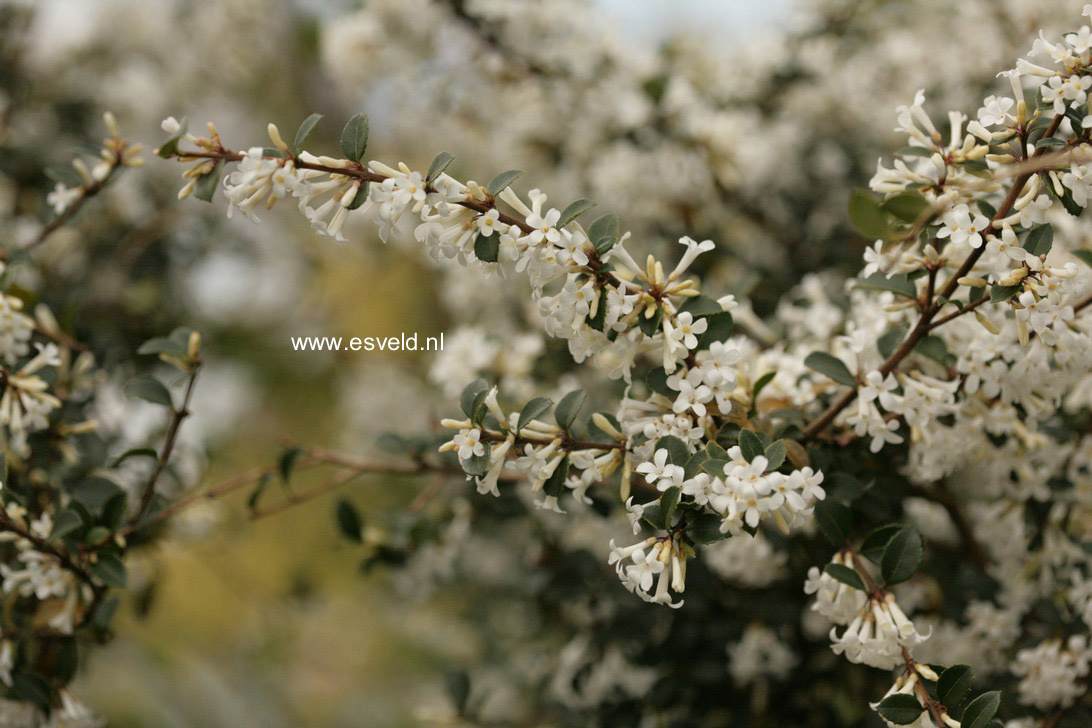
x=923 y=326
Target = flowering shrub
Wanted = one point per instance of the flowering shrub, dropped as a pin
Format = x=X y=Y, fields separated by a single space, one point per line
x=894 y=471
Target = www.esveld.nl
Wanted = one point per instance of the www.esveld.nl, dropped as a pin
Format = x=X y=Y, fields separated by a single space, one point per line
x=401 y=342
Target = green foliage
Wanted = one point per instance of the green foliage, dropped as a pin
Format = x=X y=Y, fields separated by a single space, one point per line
x=980 y=711
x=439 y=163
x=1039 y=240
x=898 y=284
x=835 y=520
x=954 y=683
x=569 y=407
x=110 y=570
x=750 y=444
x=304 y=131
x=830 y=366
x=534 y=410
x=604 y=232
x=354 y=138
x=845 y=575
x=902 y=555
x=900 y=708
x=487 y=249
x=150 y=390
x=574 y=210
x=472 y=399
x=206 y=186
x=906 y=206
x=502 y=181
x=349 y=521
x=868 y=217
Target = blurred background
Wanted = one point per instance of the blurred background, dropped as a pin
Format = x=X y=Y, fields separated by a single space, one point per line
x=743 y=122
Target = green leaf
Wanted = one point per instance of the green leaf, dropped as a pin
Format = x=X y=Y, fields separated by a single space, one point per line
x=649 y=326
x=775 y=453
x=914 y=152
x=259 y=489
x=533 y=410
x=176 y=344
x=981 y=710
x=830 y=366
x=206 y=186
x=287 y=463
x=761 y=383
x=555 y=484
x=906 y=206
x=898 y=284
x=30 y=687
x=669 y=501
x=677 y=452
x=305 y=130
x=94 y=493
x=866 y=215
x=954 y=684
x=835 y=520
x=169 y=148
x=574 y=210
x=569 y=407
x=934 y=348
x=502 y=181
x=891 y=339
x=694 y=464
x=150 y=390
x=719 y=328
x=704 y=528
x=700 y=306
x=110 y=570
x=66 y=522
x=874 y=544
x=750 y=444
x=354 y=138
x=1039 y=240
x=439 y=163
x=604 y=232
x=1003 y=293
x=477 y=465
x=467 y=400
x=1084 y=255
x=656 y=379
x=987 y=209
x=113 y=513
x=349 y=521
x=652 y=516
x=458 y=687
x=136 y=452
x=902 y=555
x=487 y=249
x=900 y=709
x=360 y=197
x=845 y=575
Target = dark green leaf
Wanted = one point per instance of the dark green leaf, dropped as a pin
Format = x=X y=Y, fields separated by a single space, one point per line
x=170 y=147
x=458 y=687
x=700 y=306
x=898 y=284
x=67 y=521
x=900 y=709
x=259 y=489
x=487 y=249
x=830 y=366
x=470 y=393
x=360 y=197
x=902 y=555
x=835 y=520
x=137 y=452
x=657 y=382
x=349 y=521
x=287 y=463
x=866 y=215
x=148 y=389
x=555 y=484
x=95 y=492
x=677 y=452
x=569 y=407
x=604 y=232
x=750 y=444
x=354 y=138
x=934 y=348
x=891 y=339
x=501 y=182
x=439 y=163
x=533 y=410
x=954 y=684
x=110 y=570
x=872 y=547
x=650 y=325
x=574 y=210
x=206 y=186
x=906 y=206
x=704 y=528
x=1084 y=254
x=1003 y=293
x=669 y=501
x=845 y=575
x=981 y=710
x=30 y=687
x=775 y=453
x=1039 y=240
x=719 y=328
x=305 y=130
x=914 y=152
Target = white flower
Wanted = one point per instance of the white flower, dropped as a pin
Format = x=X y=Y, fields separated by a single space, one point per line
x=963 y=227
x=659 y=472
